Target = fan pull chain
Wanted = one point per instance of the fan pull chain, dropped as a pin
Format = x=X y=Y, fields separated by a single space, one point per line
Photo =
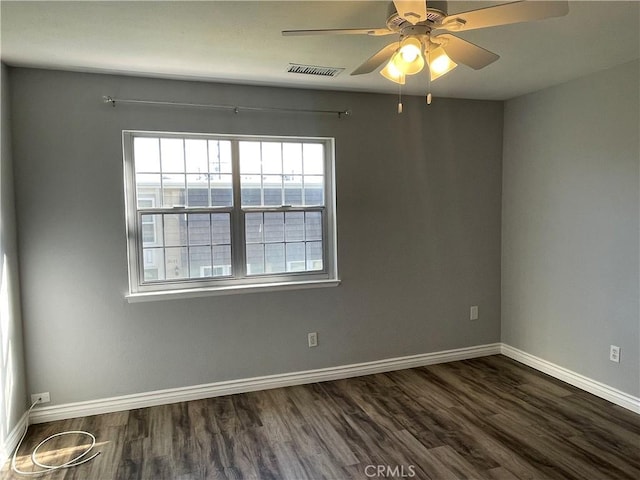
x=429 y=85
x=399 y=98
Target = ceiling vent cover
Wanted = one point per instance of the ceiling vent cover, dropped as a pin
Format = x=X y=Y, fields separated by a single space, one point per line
x=314 y=70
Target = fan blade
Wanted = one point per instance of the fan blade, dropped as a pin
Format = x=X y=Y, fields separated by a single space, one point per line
x=376 y=60
x=375 y=32
x=413 y=11
x=505 y=14
x=467 y=53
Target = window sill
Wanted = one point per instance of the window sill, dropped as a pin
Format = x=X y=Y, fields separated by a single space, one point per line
x=228 y=290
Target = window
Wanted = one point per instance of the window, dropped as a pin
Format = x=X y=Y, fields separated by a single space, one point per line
x=214 y=212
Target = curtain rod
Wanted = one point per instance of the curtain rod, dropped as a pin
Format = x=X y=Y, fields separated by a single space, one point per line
x=234 y=108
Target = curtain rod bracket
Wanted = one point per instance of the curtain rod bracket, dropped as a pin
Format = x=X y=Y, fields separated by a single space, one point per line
x=109 y=99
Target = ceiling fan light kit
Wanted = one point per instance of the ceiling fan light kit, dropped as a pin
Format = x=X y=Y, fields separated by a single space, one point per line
x=439 y=63
x=408 y=59
x=391 y=72
x=402 y=64
x=424 y=37
x=410 y=49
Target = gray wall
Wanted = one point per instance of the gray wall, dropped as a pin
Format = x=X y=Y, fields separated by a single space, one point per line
x=570 y=225
x=13 y=396
x=418 y=237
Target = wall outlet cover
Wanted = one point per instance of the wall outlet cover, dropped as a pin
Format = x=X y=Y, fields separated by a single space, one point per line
x=614 y=353
x=44 y=397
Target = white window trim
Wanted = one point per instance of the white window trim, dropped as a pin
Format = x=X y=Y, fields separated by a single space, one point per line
x=229 y=290
x=141 y=291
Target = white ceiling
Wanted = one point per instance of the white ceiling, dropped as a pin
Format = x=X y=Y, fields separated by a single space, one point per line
x=240 y=42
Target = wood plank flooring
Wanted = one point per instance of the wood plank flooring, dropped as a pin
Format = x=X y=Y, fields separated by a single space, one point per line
x=486 y=418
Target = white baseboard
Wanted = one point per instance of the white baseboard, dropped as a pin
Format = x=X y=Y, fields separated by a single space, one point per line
x=11 y=442
x=197 y=392
x=577 y=380
x=229 y=387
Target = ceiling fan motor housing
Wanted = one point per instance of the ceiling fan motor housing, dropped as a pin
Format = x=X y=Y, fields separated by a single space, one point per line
x=436 y=11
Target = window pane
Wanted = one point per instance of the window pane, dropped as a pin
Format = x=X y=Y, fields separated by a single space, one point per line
x=148 y=188
x=313 y=226
x=313 y=190
x=251 y=190
x=272 y=185
x=175 y=229
x=222 y=261
x=221 y=228
x=148 y=235
x=293 y=190
x=295 y=257
x=314 y=256
x=292 y=158
x=221 y=190
x=197 y=190
x=220 y=156
x=274 y=258
x=253 y=227
x=172 y=155
x=199 y=229
x=196 y=156
x=173 y=188
x=255 y=259
x=250 y=158
x=272 y=157
x=294 y=226
x=151 y=230
x=313 y=155
x=176 y=262
x=144 y=203
x=146 y=152
x=153 y=260
x=200 y=265
x=273 y=227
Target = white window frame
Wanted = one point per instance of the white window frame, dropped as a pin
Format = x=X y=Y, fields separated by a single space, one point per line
x=240 y=281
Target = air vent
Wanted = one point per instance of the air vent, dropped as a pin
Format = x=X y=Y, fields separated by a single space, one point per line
x=314 y=70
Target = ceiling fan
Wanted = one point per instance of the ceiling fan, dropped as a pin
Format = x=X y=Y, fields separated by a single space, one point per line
x=422 y=28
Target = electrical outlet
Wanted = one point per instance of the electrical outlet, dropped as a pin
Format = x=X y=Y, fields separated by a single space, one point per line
x=313 y=339
x=614 y=354
x=473 y=312
x=43 y=397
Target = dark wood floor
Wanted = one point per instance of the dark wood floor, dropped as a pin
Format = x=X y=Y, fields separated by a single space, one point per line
x=486 y=418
